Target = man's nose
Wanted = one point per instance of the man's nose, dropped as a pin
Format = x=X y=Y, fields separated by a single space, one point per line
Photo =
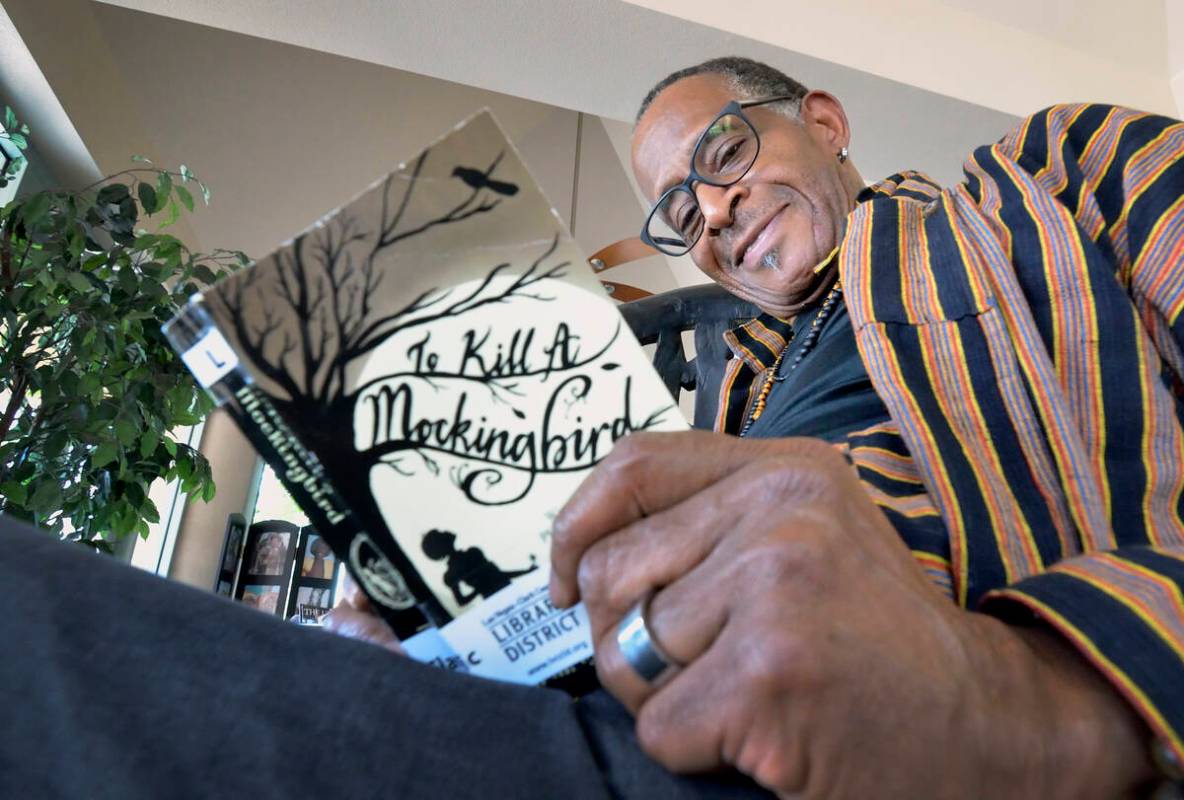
x=718 y=203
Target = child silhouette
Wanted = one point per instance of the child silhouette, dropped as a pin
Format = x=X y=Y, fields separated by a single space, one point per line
x=469 y=566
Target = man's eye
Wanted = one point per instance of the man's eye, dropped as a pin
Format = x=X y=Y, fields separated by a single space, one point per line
x=728 y=153
x=687 y=219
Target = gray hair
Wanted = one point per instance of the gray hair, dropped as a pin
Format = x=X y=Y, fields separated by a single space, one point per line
x=749 y=79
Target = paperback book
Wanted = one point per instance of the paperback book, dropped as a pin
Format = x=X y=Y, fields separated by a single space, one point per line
x=432 y=370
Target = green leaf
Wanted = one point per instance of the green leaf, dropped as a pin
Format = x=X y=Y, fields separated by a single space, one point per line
x=147 y=197
x=204 y=274
x=186 y=174
x=205 y=192
x=148 y=443
x=19 y=140
x=9 y=118
x=208 y=491
x=170 y=446
x=186 y=197
x=113 y=194
x=141 y=160
x=125 y=521
x=14 y=492
x=174 y=213
x=104 y=454
x=149 y=512
x=127 y=432
x=46 y=496
x=164 y=185
x=79 y=282
x=36 y=208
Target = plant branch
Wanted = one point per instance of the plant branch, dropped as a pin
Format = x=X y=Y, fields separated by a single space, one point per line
x=17 y=399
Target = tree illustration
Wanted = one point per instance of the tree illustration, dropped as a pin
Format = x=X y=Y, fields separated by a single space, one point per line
x=305 y=316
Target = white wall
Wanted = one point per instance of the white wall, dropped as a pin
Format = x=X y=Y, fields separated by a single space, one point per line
x=1012 y=55
x=1175 y=35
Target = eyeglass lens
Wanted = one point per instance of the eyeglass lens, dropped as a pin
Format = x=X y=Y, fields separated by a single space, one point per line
x=723 y=156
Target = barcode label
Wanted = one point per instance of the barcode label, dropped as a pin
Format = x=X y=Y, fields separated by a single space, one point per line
x=210 y=358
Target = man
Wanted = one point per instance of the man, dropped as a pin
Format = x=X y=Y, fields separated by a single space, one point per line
x=762 y=605
x=1021 y=332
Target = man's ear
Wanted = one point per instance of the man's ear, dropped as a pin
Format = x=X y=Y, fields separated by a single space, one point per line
x=825 y=120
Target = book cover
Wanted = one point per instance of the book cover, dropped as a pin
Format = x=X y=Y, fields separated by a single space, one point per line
x=432 y=369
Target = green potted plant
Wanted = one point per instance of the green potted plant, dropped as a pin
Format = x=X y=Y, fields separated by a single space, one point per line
x=90 y=392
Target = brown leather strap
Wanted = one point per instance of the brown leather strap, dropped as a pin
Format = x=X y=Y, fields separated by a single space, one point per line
x=618 y=253
x=624 y=292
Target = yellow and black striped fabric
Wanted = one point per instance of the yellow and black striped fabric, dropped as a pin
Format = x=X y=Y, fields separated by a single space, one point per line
x=1025 y=330
x=755 y=346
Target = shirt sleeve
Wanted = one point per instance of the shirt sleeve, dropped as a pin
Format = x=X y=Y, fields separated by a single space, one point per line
x=1121 y=174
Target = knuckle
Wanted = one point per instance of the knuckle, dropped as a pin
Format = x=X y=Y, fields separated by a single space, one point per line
x=817 y=450
x=651 y=734
x=798 y=558
x=617 y=677
x=783 y=563
x=592 y=573
x=801 y=475
x=630 y=454
x=770 y=670
x=772 y=766
x=800 y=483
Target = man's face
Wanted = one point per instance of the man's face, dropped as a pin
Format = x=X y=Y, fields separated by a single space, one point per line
x=766 y=233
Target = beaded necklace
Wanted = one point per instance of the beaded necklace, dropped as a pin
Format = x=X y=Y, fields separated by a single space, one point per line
x=808 y=343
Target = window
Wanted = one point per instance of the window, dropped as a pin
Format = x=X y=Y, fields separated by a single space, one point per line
x=9 y=152
x=155 y=553
x=272 y=501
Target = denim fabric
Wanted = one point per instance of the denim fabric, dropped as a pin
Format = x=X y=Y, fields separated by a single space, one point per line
x=118 y=684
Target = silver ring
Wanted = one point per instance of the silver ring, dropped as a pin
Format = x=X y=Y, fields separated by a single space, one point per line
x=637 y=644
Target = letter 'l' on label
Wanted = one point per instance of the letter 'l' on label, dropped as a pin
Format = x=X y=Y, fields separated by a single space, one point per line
x=210 y=358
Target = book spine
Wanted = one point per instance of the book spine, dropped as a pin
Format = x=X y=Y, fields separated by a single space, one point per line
x=382 y=570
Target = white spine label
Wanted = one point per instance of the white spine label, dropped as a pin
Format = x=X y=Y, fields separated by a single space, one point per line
x=210 y=358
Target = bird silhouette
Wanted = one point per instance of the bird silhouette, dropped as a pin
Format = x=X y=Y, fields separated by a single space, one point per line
x=479 y=180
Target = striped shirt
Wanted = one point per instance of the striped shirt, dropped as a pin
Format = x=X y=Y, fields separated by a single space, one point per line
x=1025 y=330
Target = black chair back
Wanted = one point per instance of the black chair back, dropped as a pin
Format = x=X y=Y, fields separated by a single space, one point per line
x=708 y=310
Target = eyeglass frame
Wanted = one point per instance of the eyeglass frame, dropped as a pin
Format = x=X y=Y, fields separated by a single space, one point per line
x=736 y=108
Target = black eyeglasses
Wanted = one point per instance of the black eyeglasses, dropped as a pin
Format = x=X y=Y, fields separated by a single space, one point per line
x=724 y=153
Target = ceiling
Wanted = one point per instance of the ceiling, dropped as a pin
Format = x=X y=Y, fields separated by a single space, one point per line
x=291 y=106
x=599 y=55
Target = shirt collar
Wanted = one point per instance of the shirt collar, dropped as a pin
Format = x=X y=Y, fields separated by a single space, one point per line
x=759 y=341
x=910 y=183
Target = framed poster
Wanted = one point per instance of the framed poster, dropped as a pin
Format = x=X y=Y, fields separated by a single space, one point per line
x=268 y=561
x=232 y=553
x=315 y=580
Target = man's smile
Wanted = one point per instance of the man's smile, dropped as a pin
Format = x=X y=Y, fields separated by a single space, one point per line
x=760 y=237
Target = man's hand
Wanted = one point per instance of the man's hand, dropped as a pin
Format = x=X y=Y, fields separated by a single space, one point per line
x=817 y=657
x=355 y=618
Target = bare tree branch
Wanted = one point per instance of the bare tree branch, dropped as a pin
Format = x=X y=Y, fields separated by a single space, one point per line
x=376 y=333
x=255 y=347
x=330 y=294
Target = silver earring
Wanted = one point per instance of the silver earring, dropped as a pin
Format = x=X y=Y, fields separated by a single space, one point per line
x=843 y=156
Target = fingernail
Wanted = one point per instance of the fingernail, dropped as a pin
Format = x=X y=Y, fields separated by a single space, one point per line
x=556 y=591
